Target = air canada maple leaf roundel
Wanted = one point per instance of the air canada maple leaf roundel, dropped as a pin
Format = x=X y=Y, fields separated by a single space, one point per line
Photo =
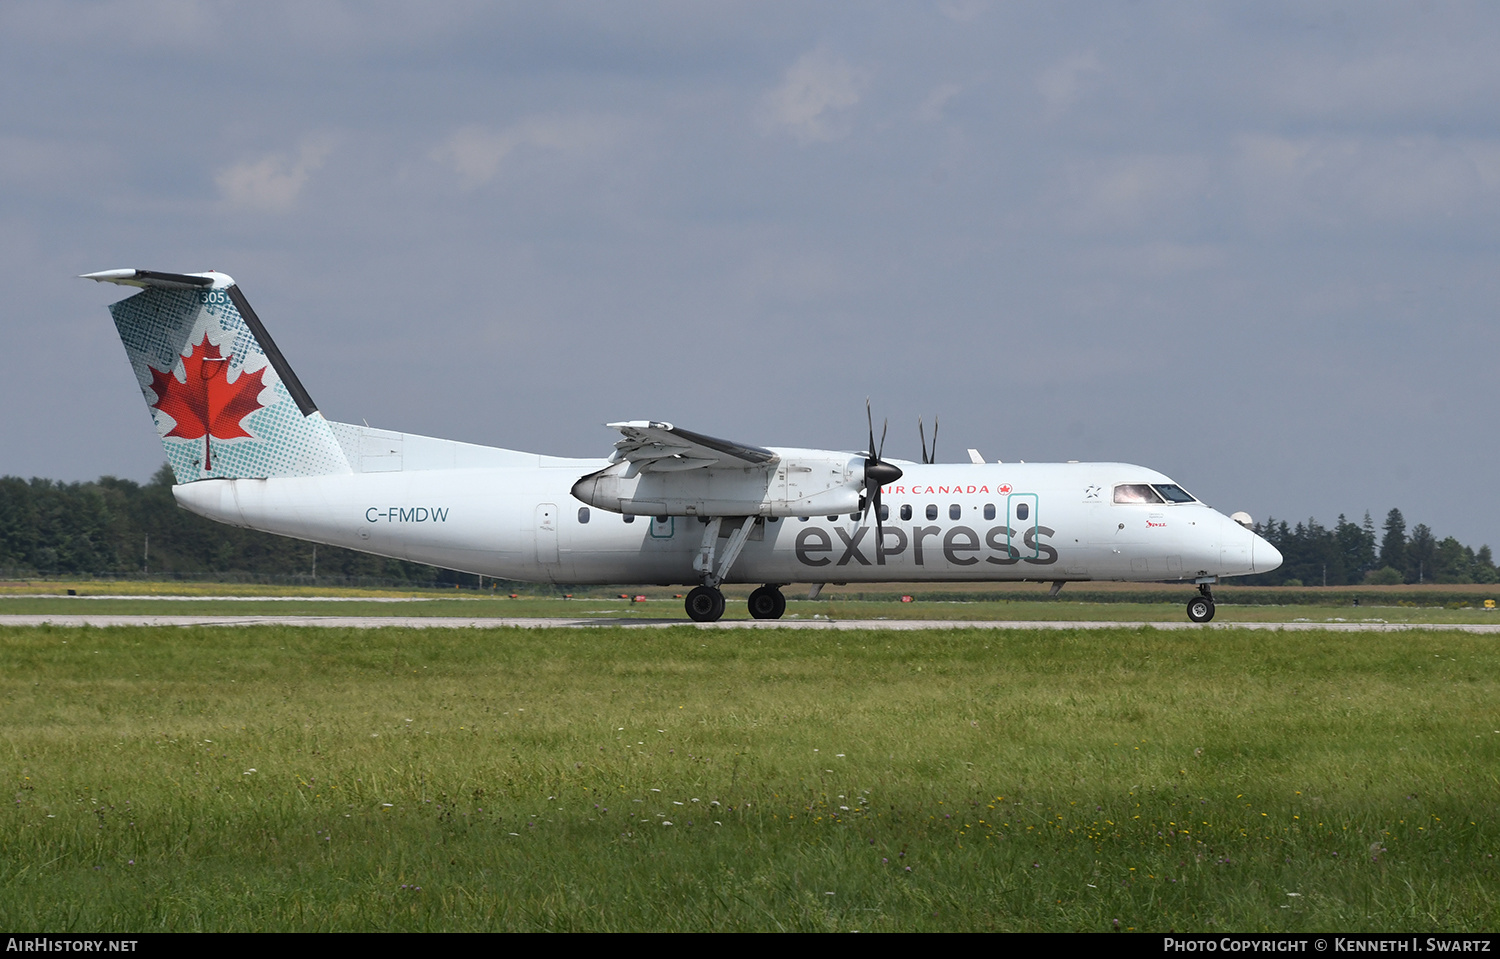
x=206 y=404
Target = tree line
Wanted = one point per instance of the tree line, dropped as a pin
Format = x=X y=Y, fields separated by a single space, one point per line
x=116 y=527
x=1351 y=554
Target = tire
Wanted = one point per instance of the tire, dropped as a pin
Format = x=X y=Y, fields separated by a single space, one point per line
x=1200 y=609
x=704 y=604
x=767 y=603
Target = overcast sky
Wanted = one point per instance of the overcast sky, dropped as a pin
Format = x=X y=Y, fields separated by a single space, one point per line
x=1250 y=245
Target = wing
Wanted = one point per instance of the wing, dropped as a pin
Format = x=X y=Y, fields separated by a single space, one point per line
x=661 y=447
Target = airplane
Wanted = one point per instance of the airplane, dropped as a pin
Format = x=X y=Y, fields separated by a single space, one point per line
x=248 y=447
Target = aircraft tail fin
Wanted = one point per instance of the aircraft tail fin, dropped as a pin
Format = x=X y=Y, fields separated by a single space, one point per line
x=224 y=400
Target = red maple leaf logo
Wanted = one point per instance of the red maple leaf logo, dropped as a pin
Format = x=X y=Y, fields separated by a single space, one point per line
x=1005 y=488
x=207 y=405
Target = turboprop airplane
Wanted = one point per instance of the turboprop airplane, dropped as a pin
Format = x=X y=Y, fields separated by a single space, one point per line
x=248 y=447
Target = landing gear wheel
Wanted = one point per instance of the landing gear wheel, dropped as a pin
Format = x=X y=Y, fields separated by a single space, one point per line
x=705 y=604
x=767 y=603
x=1200 y=609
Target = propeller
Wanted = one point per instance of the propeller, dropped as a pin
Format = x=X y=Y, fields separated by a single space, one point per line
x=878 y=473
x=928 y=458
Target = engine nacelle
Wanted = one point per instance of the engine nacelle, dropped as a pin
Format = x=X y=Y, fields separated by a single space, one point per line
x=798 y=483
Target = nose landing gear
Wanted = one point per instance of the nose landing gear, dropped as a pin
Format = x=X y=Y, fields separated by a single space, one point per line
x=1200 y=608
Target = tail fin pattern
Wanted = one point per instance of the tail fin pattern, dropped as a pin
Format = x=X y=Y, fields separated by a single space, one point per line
x=225 y=403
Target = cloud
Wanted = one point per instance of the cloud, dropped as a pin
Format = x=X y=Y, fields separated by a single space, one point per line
x=931 y=110
x=1062 y=83
x=1340 y=181
x=1151 y=192
x=1447 y=80
x=476 y=153
x=812 y=98
x=1168 y=258
x=963 y=11
x=272 y=183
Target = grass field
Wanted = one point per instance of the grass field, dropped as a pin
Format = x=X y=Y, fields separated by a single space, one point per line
x=613 y=779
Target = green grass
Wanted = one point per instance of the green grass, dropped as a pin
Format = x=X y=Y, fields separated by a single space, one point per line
x=522 y=779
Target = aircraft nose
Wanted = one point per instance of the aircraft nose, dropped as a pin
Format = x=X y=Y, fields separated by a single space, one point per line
x=1263 y=556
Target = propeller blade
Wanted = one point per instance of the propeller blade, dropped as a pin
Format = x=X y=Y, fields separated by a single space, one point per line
x=878 y=472
x=928 y=456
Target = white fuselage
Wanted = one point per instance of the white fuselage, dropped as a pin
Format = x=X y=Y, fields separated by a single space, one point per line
x=520 y=521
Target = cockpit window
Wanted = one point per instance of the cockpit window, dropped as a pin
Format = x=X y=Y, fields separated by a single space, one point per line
x=1173 y=493
x=1136 y=493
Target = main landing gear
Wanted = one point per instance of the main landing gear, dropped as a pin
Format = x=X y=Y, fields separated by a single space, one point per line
x=767 y=603
x=705 y=603
x=1200 y=608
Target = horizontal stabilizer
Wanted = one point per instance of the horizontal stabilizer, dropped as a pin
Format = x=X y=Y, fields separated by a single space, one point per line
x=163 y=281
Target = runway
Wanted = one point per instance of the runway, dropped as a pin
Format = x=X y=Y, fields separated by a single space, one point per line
x=459 y=622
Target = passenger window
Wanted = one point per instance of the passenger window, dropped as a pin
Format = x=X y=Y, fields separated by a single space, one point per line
x=630 y=517
x=854 y=516
x=1022 y=511
x=804 y=518
x=773 y=519
x=906 y=511
x=833 y=519
x=662 y=519
x=931 y=511
x=885 y=513
x=989 y=510
x=955 y=511
x=583 y=514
